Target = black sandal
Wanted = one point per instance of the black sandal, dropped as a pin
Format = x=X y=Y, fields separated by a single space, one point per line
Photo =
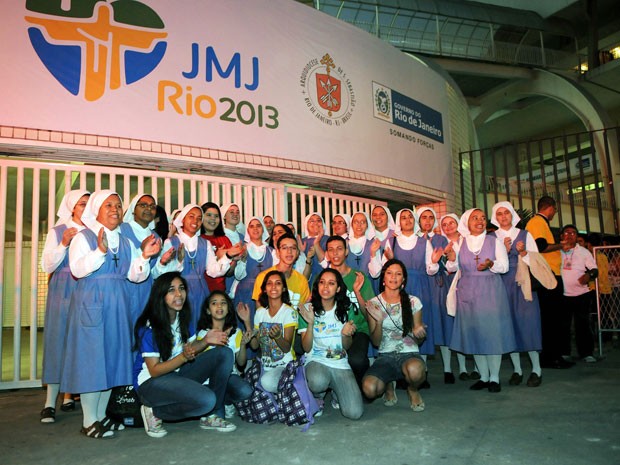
x=48 y=415
x=96 y=431
x=112 y=425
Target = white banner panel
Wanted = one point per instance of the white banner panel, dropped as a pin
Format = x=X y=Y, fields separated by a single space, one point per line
x=271 y=77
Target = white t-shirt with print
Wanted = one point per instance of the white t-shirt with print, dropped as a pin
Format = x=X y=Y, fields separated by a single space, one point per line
x=392 y=338
x=327 y=341
x=271 y=354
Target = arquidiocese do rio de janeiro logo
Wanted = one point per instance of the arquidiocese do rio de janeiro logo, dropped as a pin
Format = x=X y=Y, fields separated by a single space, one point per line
x=92 y=46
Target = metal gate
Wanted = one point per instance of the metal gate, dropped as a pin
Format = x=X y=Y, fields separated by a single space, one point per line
x=607 y=292
x=574 y=169
x=30 y=193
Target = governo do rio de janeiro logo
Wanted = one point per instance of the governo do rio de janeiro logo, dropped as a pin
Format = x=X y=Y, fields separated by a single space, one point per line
x=94 y=46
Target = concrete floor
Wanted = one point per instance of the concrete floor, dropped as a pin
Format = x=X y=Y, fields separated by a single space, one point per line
x=572 y=418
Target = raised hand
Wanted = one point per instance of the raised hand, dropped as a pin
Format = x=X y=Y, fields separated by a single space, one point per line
x=375 y=311
x=375 y=246
x=150 y=246
x=306 y=311
x=181 y=253
x=348 y=329
x=167 y=256
x=243 y=310
x=68 y=236
x=359 y=281
x=437 y=254
x=102 y=241
x=449 y=251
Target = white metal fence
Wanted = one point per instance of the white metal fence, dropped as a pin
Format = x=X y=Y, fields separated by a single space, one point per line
x=607 y=292
x=30 y=193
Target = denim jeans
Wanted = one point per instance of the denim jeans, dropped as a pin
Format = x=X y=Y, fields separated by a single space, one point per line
x=181 y=394
x=238 y=389
x=321 y=377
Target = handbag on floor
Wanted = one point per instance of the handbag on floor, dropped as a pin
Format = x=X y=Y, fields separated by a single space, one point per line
x=124 y=406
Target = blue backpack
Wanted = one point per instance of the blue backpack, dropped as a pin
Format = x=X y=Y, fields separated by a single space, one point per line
x=296 y=403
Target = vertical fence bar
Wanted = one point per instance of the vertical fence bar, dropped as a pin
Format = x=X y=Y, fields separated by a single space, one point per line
x=494 y=170
x=584 y=196
x=17 y=275
x=473 y=178
x=558 y=197
x=610 y=180
x=518 y=175
x=34 y=261
x=462 y=176
x=569 y=179
x=3 y=195
x=530 y=173
x=597 y=182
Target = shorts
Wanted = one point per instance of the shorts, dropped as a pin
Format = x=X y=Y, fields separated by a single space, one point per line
x=388 y=366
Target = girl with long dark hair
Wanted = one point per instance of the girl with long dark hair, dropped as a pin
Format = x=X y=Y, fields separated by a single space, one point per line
x=171 y=367
x=327 y=329
x=396 y=328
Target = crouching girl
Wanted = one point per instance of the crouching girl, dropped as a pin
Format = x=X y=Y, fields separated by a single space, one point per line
x=326 y=334
x=170 y=367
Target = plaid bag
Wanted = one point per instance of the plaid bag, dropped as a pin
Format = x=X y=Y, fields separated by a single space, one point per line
x=261 y=407
x=296 y=403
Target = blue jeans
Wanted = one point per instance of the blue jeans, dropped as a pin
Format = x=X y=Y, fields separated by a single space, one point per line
x=181 y=394
x=238 y=389
x=321 y=377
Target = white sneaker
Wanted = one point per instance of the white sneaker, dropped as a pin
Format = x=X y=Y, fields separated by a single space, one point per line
x=217 y=423
x=335 y=403
x=230 y=411
x=152 y=425
x=590 y=359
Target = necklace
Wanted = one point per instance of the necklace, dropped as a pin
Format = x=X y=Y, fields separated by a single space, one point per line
x=114 y=254
x=191 y=257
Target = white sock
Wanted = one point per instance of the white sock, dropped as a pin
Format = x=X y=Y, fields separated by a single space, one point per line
x=535 y=359
x=495 y=363
x=483 y=367
x=462 y=365
x=446 y=357
x=516 y=362
x=89 y=401
x=103 y=404
x=52 y=394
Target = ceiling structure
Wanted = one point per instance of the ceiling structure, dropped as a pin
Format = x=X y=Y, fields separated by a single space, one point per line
x=489 y=44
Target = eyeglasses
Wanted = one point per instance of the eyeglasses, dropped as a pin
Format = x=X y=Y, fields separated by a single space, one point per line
x=150 y=206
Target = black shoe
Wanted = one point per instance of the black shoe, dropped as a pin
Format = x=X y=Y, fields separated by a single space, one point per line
x=474 y=375
x=464 y=376
x=425 y=385
x=534 y=380
x=515 y=379
x=68 y=406
x=448 y=378
x=495 y=387
x=479 y=385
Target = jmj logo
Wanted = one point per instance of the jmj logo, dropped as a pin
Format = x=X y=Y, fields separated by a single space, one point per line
x=92 y=46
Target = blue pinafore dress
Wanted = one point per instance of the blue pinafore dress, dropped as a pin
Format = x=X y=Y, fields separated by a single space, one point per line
x=97 y=353
x=59 y=289
x=483 y=323
x=525 y=315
